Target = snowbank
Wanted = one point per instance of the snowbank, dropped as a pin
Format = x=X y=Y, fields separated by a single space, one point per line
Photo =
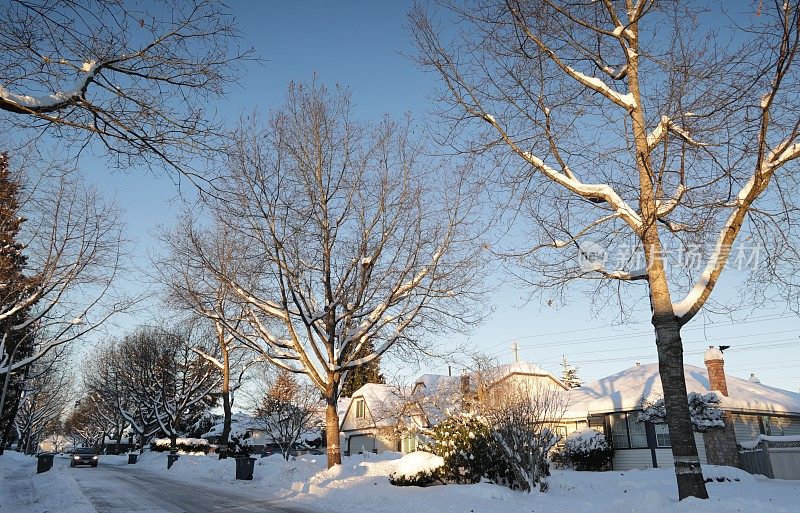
x=416 y=462
x=22 y=489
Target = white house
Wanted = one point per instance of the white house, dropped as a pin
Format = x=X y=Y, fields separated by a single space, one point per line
x=611 y=403
x=377 y=411
x=370 y=420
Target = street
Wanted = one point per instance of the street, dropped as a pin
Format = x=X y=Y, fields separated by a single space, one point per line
x=127 y=488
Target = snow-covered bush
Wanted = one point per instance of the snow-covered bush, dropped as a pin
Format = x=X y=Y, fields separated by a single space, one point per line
x=704 y=410
x=465 y=443
x=587 y=449
x=418 y=468
x=186 y=445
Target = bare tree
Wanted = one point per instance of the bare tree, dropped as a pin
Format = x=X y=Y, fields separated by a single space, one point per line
x=104 y=392
x=186 y=380
x=73 y=247
x=86 y=425
x=287 y=408
x=165 y=381
x=136 y=79
x=195 y=289
x=343 y=235
x=633 y=125
x=44 y=400
x=523 y=417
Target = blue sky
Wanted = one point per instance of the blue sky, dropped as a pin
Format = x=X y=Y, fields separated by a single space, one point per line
x=359 y=45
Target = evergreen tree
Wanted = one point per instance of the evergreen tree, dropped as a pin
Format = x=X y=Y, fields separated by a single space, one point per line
x=13 y=286
x=569 y=375
x=363 y=374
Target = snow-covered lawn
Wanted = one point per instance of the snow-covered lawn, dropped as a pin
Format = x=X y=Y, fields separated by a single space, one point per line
x=362 y=483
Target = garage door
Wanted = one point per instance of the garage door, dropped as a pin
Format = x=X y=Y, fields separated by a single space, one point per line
x=361 y=444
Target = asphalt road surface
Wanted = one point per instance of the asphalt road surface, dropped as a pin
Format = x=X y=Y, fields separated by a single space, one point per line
x=118 y=489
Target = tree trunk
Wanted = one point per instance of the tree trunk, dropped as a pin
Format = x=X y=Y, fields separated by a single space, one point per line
x=681 y=432
x=226 y=404
x=668 y=332
x=5 y=435
x=332 y=433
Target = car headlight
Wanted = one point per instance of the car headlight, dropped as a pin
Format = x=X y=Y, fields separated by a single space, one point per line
x=94 y=457
x=76 y=457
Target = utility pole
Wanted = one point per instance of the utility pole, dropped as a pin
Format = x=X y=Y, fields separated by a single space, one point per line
x=515 y=348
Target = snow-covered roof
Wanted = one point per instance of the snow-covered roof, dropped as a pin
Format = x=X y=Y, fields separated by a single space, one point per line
x=384 y=402
x=503 y=371
x=624 y=390
x=428 y=384
x=239 y=422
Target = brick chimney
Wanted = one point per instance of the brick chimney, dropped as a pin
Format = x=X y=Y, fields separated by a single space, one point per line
x=715 y=363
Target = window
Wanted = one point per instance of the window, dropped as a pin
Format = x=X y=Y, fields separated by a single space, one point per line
x=637 y=432
x=360 y=408
x=619 y=431
x=767 y=425
x=627 y=432
x=662 y=435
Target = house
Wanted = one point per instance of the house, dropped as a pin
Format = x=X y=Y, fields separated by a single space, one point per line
x=750 y=408
x=370 y=420
x=260 y=440
x=373 y=419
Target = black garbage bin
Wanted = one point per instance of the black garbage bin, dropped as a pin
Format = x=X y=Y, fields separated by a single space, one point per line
x=244 y=467
x=132 y=458
x=171 y=458
x=44 y=462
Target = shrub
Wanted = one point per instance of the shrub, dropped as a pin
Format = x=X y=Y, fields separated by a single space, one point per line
x=418 y=468
x=466 y=445
x=186 y=445
x=588 y=449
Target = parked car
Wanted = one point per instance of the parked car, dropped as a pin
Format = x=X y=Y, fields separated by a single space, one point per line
x=84 y=456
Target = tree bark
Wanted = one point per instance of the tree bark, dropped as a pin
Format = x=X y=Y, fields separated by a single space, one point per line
x=226 y=403
x=684 y=449
x=332 y=432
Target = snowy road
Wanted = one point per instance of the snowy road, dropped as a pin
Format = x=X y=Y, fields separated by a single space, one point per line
x=118 y=489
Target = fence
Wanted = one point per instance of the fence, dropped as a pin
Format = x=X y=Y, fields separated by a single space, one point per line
x=774 y=459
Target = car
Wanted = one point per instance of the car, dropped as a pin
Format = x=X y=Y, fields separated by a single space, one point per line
x=84 y=456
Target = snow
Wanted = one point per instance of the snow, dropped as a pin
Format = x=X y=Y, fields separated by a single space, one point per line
x=601 y=87
x=22 y=490
x=50 y=100
x=604 y=191
x=305 y=484
x=383 y=403
x=414 y=463
x=362 y=482
x=713 y=353
x=587 y=439
x=165 y=442
x=625 y=390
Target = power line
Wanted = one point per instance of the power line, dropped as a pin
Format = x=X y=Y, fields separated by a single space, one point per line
x=751 y=320
x=592 y=340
